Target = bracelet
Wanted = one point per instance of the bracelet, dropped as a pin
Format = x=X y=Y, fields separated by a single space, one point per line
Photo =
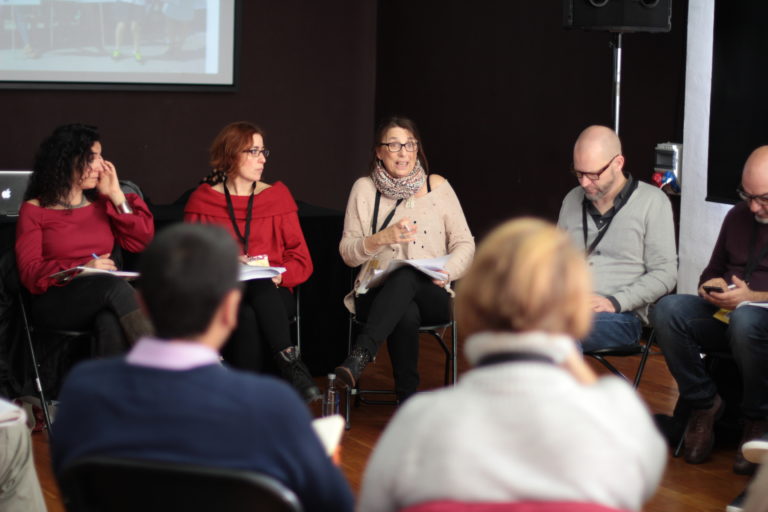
x=124 y=207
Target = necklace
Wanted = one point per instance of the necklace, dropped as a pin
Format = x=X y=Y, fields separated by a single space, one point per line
x=69 y=206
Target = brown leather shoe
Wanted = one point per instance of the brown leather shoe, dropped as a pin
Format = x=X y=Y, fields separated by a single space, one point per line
x=699 y=433
x=753 y=429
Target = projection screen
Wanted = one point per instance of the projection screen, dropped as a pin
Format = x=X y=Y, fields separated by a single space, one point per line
x=120 y=42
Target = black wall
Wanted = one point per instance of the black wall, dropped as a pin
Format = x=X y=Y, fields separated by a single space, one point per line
x=500 y=91
x=307 y=73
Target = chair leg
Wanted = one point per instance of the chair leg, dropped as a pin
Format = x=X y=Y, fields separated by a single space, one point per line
x=644 y=358
x=33 y=357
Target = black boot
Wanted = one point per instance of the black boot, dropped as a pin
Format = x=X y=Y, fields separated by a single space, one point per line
x=294 y=370
x=135 y=326
x=349 y=371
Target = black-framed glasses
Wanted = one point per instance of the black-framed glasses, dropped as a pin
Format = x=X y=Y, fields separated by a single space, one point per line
x=254 y=152
x=394 y=147
x=593 y=176
x=762 y=199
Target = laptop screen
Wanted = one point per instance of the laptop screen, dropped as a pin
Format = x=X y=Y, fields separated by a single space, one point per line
x=13 y=184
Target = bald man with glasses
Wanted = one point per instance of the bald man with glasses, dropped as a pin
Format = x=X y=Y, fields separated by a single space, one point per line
x=626 y=229
x=715 y=321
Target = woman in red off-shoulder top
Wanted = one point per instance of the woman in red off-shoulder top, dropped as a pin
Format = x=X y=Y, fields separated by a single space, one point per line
x=74 y=215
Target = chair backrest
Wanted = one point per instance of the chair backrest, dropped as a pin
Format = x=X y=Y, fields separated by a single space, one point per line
x=95 y=484
x=520 y=506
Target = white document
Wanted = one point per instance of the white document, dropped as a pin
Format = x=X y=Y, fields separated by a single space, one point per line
x=329 y=430
x=70 y=273
x=429 y=266
x=248 y=272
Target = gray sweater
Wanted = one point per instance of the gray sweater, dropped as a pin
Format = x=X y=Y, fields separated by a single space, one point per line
x=636 y=261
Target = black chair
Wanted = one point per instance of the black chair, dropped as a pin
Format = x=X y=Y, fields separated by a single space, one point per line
x=437 y=332
x=109 y=484
x=643 y=349
x=62 y=337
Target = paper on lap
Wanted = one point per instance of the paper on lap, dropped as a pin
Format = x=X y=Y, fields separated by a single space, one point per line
x=429 y=266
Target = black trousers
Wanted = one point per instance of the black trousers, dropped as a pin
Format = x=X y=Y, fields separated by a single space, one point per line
x=263 y=326
x=94 y=303
x=394 y=312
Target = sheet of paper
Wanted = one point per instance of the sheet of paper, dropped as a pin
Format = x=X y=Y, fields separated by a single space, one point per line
x=78 y=271
x=248 y=272
x=329 y=430
x=429 y=266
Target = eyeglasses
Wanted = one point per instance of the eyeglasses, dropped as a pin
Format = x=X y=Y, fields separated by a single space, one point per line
x=593 y=176
x=394 y=147
x=254 y=152
x=762 y=200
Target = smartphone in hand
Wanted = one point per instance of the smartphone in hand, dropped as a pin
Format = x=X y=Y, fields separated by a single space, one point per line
x=710 y=289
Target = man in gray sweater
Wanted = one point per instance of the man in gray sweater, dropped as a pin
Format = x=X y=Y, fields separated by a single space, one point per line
x=628 y=234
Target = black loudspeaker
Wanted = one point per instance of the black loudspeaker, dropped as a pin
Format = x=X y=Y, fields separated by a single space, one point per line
x=618 y=15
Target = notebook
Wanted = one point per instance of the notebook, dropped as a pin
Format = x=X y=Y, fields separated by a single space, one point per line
x=13 y=184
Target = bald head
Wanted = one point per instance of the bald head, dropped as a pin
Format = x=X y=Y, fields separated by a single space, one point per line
x=754 y=182
x=597 y=142
x=754 y=179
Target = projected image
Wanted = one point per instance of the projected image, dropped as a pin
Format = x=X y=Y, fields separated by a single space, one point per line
x=117 y=41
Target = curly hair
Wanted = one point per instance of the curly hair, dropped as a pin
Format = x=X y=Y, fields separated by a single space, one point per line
x=227 y=148
x=61 y=158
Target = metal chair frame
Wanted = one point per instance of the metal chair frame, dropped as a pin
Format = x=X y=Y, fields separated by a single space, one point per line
x=643 y=349
x=450 y=375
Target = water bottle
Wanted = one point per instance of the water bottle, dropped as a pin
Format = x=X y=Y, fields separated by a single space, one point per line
x=331 y=399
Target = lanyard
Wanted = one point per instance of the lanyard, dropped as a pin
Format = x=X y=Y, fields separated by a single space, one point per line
x=376 y=213
x=754 y=259
x=601 y=231
x=248 y=216
x=506 y=357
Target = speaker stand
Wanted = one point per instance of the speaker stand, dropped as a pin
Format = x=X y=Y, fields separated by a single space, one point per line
x=616 y=45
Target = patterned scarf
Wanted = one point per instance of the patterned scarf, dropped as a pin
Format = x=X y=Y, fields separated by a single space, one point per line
x=398 y=188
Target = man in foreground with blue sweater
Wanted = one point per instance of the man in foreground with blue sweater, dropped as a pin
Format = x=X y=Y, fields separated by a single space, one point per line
x=171 y=399
x=626 y=228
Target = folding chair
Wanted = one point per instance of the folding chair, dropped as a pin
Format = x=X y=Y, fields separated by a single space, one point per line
x=644 y=349
x=450 y=375
x=101 y=483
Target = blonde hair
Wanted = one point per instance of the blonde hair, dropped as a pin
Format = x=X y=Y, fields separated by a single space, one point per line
x=526 y=276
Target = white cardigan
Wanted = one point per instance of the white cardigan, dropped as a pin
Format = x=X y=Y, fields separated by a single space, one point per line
x=518 y=431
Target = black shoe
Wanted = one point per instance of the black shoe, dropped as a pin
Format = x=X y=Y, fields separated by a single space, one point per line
x=753 y=429
x=699 y=432
x=349 y=371
x=294 y=370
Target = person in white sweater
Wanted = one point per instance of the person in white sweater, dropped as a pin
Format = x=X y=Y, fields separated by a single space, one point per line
x=531 y=421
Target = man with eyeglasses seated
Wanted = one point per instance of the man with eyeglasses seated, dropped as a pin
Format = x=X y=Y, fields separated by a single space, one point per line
x=625 y=226
x=716 y=321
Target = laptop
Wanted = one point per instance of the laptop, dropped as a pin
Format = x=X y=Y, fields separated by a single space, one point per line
x=13 y=184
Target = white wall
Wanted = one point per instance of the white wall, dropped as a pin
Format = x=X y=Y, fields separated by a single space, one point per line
x=699 y=220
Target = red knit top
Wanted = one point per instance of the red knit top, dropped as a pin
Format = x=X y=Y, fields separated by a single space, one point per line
x=275 y=229
x=48 y=241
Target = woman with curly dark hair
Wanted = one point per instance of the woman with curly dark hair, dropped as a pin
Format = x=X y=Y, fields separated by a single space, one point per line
x=75 y=214
x=263 y=219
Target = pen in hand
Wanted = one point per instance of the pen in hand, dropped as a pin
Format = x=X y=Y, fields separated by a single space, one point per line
x=95 y=256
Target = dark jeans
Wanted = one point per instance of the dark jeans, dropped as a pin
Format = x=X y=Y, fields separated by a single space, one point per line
x=394 y=312
x=263 y=326
x=612 y=330
x=685 y=328
x=88 y=303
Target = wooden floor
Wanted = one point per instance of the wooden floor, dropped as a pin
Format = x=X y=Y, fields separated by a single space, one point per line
x=701 y=488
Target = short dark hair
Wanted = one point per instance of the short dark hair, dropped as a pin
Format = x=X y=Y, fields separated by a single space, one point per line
x=186 y=272
x=61 y=156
